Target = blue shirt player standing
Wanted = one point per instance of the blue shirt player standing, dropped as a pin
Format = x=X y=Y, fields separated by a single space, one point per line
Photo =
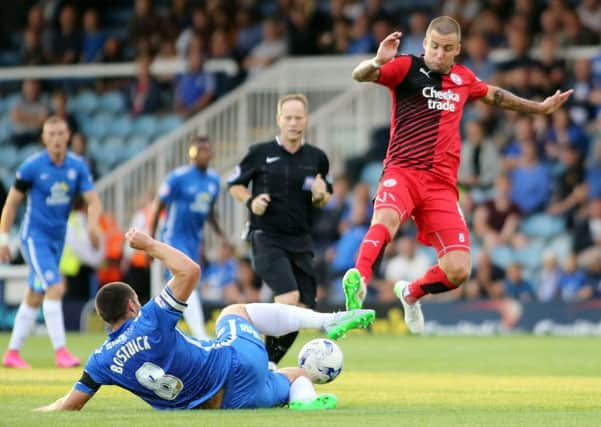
x=51 y=179
x=189 y=194
x=146 y=354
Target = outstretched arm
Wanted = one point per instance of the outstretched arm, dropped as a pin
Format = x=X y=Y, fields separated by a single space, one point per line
x=509 y=101
x=369 y=70
x=185 y=271
x=73 y=401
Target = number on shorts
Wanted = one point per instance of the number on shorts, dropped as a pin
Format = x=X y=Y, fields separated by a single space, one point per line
x=153 y=377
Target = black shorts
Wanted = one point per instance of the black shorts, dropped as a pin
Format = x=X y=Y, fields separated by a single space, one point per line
x=283 y=268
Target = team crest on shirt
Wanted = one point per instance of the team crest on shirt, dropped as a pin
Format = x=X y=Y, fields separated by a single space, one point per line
x=71 y=174
x=456 y=79
x=389 y=182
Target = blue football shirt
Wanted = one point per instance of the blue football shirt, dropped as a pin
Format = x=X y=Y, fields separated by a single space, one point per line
x=190 y=195
x=153 y=359
x=51 y=189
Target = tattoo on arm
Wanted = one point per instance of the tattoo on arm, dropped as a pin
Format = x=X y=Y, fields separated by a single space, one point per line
x=498 y=97
x=509 y=101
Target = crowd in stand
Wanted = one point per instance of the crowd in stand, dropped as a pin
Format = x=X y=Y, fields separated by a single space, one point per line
x=530 y=187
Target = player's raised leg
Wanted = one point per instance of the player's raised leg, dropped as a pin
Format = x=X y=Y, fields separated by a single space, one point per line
x=280 y=319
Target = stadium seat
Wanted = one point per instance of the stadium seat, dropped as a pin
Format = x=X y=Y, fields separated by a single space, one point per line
x=27 y=151
x=9 y=156
x=134 y=146
x=120 y=127
x=6 y=103
x=112 y=151
x=85 y=102
x=99 y=126
x=168 y=123
x=145 y=125
x=111 y=102
x=543 y=225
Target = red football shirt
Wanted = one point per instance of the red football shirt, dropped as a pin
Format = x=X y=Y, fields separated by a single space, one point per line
x=426 y=112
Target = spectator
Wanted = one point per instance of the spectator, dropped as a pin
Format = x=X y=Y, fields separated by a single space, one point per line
x=80 y=256
x=65 y=43
x=411 y=43
x=530 y=182
x=248 y=32
x=574 y=33
x=477 y=58
x=219 y=279
x=270 y=49
x=28 y=114
x=496 y=221
x=144 y=26
x=59 y=108
x=589 y=12
x=93 y=39
x=480 y=161
x=564 y=132
x=582 y=110
x=111 y=51
x=362 y=40
x=569 y=191
x=200 y=28
x=487 y=280
x=249 y=282
x=144 y=95
x=548 y=286
x=408 y=263
x=572 y=281
x=31 y=51
x=516 y=287
x=195 y=88
x=79 y=146
x=178 y=18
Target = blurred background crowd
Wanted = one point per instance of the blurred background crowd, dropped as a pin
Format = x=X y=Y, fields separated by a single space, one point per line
x=530 y=187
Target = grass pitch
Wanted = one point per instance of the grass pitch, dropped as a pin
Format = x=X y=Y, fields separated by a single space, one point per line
x=387 y=381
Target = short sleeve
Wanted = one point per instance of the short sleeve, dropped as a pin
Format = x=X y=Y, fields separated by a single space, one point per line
x=94 y=371
x=25 y=176
x=168 y=189
x=478 y=88
x=393 y=72
x=163 y=312
x=244 y=172
x=85 y=182
x=324 y=170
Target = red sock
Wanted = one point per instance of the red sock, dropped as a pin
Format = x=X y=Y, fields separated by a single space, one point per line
x=435 y=281
x=373 y=244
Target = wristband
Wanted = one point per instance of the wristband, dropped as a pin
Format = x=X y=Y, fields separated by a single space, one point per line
x=4 y=239
x=375 y=63
x=249 y=203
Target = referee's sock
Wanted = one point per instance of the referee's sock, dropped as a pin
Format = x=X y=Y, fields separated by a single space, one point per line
x=435 y=281
x=277 y=347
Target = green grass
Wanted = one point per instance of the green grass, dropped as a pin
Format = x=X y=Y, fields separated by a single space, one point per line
x=387 y=381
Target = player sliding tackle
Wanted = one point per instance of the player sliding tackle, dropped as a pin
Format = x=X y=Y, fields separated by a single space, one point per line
x=420 y=169
x=147 y=354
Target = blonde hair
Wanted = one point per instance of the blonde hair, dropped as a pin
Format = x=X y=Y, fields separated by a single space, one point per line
x=444 y=25
x=292 y=96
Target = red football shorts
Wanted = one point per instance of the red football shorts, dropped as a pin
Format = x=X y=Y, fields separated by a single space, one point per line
x=431 y=202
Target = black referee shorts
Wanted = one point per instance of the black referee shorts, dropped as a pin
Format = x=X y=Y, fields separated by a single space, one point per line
x=283 y=270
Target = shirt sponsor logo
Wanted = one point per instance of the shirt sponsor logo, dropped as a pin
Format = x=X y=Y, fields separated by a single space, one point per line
x=58 y=194
x=441 y=100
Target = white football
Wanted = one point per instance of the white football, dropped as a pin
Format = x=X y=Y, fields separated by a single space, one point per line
x=322 y=359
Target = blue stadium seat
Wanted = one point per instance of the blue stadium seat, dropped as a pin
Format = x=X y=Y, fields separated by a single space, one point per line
x=99 y=126
x=542 y=225
x=134 y=146
x=168 y=123
x=5 y=129
x=6 y=103
x=120 y=127
x=85 y=102
x=111 y=102
x=27 y=151
x=145 y=125
x=9 y=156
x=113 y=151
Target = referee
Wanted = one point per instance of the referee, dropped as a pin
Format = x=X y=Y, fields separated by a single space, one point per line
x=288 y=181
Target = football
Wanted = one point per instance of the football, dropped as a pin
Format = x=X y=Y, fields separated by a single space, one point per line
x=322 y=359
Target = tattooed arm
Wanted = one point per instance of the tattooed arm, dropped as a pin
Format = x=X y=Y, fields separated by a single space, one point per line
x=509 y=101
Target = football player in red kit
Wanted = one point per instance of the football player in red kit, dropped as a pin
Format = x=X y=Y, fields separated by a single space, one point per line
x=420 y=169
